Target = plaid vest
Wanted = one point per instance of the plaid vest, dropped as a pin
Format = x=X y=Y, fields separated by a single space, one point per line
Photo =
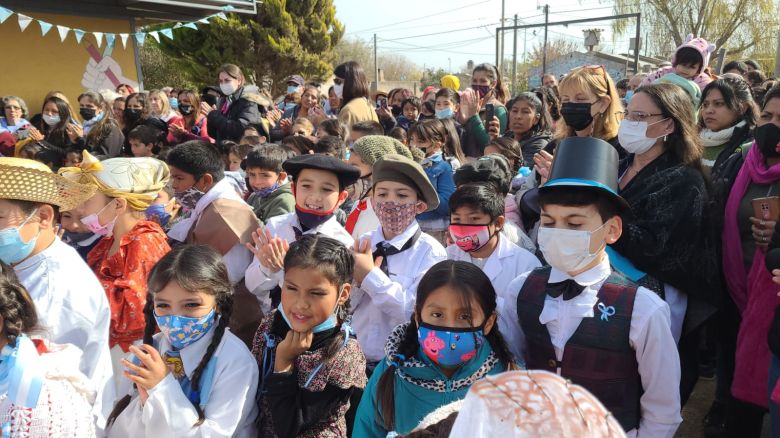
x=598 y=356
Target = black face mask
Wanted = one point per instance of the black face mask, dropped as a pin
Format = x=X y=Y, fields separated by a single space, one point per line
x=209 y=99
x=396 y=110
x=185 y=110
x=577 y=115
x=768 y=140
x=87 y=113
x=132 y=115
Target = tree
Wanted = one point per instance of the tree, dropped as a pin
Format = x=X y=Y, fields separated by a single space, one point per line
x=432 y=77
x=395 y=67
x=283 y=38
x=737 y=25
x=555 y=49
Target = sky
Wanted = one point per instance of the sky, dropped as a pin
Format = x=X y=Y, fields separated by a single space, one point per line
x=448 y=33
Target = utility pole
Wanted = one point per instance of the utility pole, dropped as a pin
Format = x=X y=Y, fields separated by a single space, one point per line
x=376 y=66
x=544 y=49
x=514 y=59
x=500 y=62
x=777 y=56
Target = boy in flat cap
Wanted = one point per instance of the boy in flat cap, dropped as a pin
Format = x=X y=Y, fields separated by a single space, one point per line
x=391 y=260
x=319 y=186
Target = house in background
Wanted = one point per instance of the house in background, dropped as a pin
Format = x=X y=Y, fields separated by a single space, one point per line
x=618 y=66
x=39 y=64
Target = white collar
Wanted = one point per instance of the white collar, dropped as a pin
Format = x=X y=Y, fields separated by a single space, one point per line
x=38 y=258
x=193 y=353
x=398 y=241
x=590 y=277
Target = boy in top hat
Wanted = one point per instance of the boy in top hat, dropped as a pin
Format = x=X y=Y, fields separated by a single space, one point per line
x=391 y=260
x=70 y=302
x=319 y=186
x=581 y=319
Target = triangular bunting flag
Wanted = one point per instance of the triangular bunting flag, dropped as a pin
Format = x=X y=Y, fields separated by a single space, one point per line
x=228 y=8
x=155 y=35
x=190 y=25
x=139 y=38
x=4 y=14
x=167 y=32
x=221 y=15
x=79 y=34
x=25 y=21
x=99 y=38
x=45 y=27
x=124 y=37
x=204 y=20
x=110 y=39
x=63 y=31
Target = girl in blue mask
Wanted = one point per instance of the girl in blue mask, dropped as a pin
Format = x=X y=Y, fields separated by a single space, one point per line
x=450 y=343
x=311 y=365
x=194 y=378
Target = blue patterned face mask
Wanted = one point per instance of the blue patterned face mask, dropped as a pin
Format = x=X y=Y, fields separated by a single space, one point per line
x=263 y=193
x=449 y=346
x=182 y=331
x=157 y=213
x=328 y=324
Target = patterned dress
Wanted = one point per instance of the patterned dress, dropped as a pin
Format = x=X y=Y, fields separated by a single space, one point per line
x=123 y=276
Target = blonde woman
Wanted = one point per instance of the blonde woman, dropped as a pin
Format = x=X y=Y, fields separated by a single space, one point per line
x=160 y=107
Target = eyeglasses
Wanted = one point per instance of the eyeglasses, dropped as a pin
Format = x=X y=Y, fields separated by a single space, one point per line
x=13 y=108
x=639 y=116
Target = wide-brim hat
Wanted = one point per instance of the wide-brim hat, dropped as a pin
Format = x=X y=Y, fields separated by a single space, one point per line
x=27 y=180
x=586 y=162
x=401 y=169
x=346 y=173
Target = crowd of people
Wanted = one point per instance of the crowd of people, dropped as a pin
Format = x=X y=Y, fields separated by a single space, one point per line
x=330 y=263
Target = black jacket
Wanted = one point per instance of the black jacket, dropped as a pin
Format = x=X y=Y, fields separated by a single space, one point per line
x=240 y=114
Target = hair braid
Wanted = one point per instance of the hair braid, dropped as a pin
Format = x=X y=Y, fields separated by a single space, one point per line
x=226 y=310
x=385 y=388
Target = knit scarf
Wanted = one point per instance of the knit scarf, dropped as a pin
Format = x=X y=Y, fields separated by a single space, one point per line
x=88 y=124
x=710 y=138
x=754 y=171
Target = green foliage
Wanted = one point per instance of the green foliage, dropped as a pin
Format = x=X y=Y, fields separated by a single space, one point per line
x=160 y=71
x=395 y=67
x=283 y=38
x=432 y=77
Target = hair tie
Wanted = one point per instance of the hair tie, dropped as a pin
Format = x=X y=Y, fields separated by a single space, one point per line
x=397 y=360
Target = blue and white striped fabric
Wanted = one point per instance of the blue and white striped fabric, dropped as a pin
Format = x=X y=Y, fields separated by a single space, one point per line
x=21 y=376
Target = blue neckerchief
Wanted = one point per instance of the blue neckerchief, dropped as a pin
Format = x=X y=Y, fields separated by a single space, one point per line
x=624 y=265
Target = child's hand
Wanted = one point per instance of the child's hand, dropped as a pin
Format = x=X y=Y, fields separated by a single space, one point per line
x=290 y=348
x=364 y=260
x=286 y=125
x=152 y=370
x=542 y=164
x=317 y=115
x=494 y=128
x=269 y=250
x=762 y=231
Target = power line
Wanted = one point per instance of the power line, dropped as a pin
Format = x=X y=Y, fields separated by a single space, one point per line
x=453 y=9
x=443 y=32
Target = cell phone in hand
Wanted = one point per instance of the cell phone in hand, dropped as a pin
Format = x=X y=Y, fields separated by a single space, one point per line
x=489 y=113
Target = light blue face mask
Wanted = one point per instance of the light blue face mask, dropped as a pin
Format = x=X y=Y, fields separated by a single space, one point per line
x=445 y=113
x=12 y=248
x=629 y=95
x=328 y=324
x=182 y=331
x=292 y=89
x=174 y=102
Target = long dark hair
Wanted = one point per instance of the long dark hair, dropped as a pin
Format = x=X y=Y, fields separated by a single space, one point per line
x=535 y=101
x=16 y=307
x=676 y=105
x=355 y=82
x=471 y=284
x=441 y=131
x=56 y=134
x=500 y=91
x=102 y=129
x=736 y=93
x=194 y=268
x=332 y=259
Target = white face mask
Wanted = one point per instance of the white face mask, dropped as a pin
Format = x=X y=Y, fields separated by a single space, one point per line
x=567 y=250
x=51 y=120
x=632 y=136
x=339 y=90
x=227 y=88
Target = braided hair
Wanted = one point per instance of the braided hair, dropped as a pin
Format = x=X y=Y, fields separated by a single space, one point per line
x=16 y=307
x=194 y=268
x=471 y=284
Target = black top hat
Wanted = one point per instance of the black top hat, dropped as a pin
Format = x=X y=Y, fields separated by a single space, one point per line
x=586 y=162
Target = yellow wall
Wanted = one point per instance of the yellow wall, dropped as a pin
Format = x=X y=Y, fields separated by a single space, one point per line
x=33 y=65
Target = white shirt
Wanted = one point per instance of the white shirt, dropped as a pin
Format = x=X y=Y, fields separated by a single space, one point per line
x=382 y=302
x=73 y=308
x=649 y=335
x=367 y=221
x=231 y=409
x=260 y=280
x=506 y=263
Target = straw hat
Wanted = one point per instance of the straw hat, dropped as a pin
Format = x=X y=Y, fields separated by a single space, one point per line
x=28 y=180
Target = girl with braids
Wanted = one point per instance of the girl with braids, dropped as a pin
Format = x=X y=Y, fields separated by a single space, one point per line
x=42 y=392
x=194 y=378
x=450 y=343
x=311 y=364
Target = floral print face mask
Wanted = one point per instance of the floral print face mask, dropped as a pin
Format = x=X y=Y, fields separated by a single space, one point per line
x=395 y=216
x=182 y=331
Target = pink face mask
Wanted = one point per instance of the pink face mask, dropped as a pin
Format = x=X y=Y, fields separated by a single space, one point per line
x=470 y=238
x=93 y=223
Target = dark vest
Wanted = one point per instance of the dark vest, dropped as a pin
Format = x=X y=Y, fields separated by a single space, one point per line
x=598 y=356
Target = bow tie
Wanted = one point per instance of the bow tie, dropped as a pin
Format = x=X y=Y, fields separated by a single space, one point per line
x=568 y=288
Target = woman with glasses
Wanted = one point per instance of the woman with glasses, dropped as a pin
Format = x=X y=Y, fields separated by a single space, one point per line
x=15 y=112
x=665 y=244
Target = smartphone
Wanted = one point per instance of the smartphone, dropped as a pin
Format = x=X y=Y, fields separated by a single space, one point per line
x=767 y=209
x=383 y=103
x=489 y=113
